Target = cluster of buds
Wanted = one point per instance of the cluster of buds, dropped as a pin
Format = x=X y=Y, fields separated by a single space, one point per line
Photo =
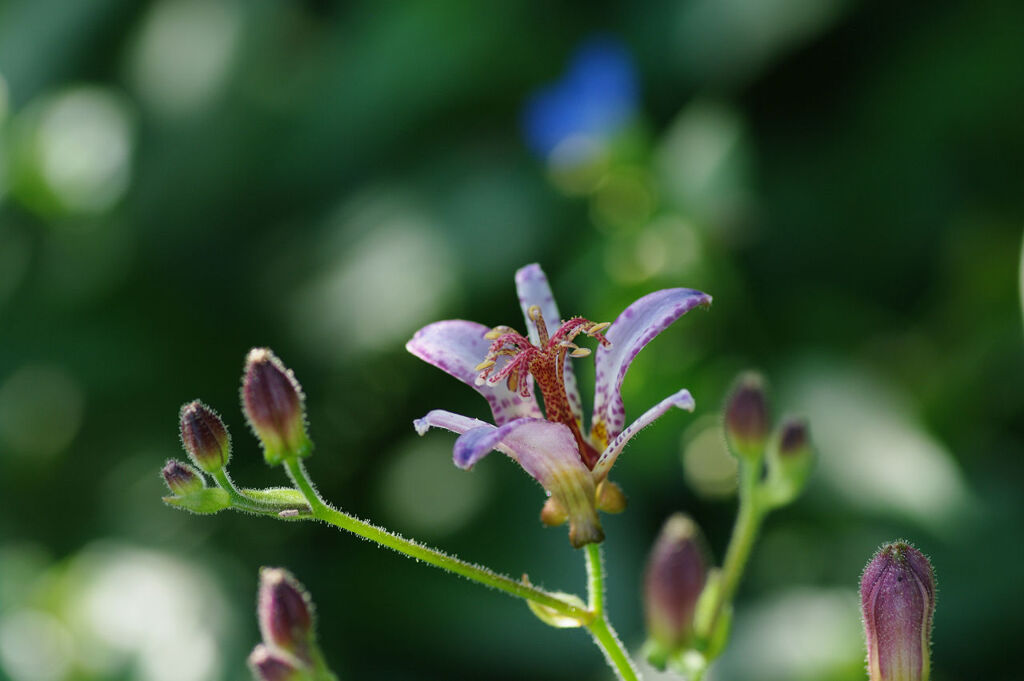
x=748 y=430
x=275 y=409
x=288 y=651
x=897 y=597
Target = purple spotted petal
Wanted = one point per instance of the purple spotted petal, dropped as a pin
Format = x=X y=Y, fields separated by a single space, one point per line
x=457 y=347
x=548 y=452
x=533 y=289
x=680 y=400
x=635 y=327
x=439 y=418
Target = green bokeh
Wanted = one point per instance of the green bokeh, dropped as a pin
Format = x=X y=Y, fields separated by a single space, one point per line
x=324 y=178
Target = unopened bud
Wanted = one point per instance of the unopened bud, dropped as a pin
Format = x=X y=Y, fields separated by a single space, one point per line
x=269 y=666
x=789 y=462
x=746 y=417
x=181 y=478
x=274 y=406
x=204 y=436
x=897 y=595
x=674 y=579
x=285 y=613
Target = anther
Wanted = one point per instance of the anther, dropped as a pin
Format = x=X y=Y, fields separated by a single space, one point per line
x=598 y=328
x=486 y=364
x=580 y=352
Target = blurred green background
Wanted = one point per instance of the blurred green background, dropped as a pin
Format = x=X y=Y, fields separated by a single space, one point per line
x=184 y=179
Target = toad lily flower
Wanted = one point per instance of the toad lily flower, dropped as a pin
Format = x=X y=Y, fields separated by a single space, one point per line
x=503 y=366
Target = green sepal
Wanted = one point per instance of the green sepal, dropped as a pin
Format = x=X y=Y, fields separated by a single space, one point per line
x=204 y=501
x=706 y=604
x=285 y=497
x=277 y=453
x=787 y=476
x=715 y=643
x=656 y=654
x=553 y=618
x=711 y=636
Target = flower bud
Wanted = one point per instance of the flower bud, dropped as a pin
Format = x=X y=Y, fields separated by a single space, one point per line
x=746 y=417
x=897 y=595
x=181 y=478
x=285 y=613
x=275 y=407
x=269 y=666
x=204 y=436
x=675 y=576
x=789 y=462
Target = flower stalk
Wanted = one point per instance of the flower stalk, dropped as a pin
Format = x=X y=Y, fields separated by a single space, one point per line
x=343 y=521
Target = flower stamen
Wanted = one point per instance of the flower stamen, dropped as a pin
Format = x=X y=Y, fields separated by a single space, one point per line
x=546 y=363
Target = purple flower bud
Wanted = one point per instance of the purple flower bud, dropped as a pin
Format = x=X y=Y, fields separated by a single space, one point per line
x=204 y=436
x=789 y=462
x=285 y=613
x=794 y=440
x=675 y=576
x=274 y=405
x=181 y=478
x=897 y=596
x=269 y=666
x=746 y=417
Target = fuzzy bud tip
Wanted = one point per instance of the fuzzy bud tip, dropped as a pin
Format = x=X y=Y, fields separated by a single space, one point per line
x=204 y=437
x=285 y=613
x=181 y=478
x=274 y=406
x=746 y=416
x=269 y=666
x=897 y=592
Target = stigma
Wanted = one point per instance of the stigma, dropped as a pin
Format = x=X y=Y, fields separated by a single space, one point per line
x=545 y=361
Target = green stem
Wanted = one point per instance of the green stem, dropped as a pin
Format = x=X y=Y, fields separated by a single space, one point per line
x=600 y=628
x=744 y=533
x=322 y=511
x=239 y=501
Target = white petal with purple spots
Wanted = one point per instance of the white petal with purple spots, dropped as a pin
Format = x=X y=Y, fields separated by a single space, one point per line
x=456 y=346
x=680 y=400
x=635 y=327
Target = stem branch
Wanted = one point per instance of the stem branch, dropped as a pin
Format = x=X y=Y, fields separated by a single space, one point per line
x=322 y=511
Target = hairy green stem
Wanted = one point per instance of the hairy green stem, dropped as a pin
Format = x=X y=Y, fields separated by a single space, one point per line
x=600 y=628
x=241 y=502
x=748 y=523
x=326 y=513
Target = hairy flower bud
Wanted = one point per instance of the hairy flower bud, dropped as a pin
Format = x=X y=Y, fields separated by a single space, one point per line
x=789 y=462
x=675 y=576
x=269 y=666
x=285 y=613
x=204 y=436
x=897 y=595
x=181 y=478
x=746 y=417
x=275 y=407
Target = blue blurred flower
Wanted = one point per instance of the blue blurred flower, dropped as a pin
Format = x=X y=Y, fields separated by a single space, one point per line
x=595 y=98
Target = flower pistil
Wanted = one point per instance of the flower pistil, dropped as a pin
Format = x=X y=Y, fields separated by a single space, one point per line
x=545 y=361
